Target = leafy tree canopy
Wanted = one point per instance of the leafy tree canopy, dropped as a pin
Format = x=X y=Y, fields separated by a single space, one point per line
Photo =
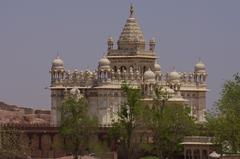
x=124 y=128
x=169 y=123
x=224 y=122
x=12 y=146
x=78 y=126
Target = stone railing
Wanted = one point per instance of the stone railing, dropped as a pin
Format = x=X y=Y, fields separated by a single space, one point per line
x=89 y=78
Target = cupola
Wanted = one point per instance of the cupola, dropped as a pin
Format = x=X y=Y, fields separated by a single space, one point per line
x=149 y=76
x=157 y=67
x=57 y=63
x=174 y=76
x=104 y=63
x=200 y=67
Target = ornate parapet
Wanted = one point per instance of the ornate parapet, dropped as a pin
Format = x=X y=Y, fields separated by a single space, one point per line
x=79 y=78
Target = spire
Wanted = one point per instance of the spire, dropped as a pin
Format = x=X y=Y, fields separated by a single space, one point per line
x=174 y=68
x=131 y=35
x=199 y=60
x=58 y=55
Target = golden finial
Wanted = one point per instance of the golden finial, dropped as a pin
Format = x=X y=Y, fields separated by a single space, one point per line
x=131 y=10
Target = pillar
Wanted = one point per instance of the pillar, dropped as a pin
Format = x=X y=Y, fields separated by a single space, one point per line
x=200 y=151
x=40 y=141
x=192 y=155
x=185 y=153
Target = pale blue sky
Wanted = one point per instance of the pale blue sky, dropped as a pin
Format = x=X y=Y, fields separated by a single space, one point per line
x=31 y=33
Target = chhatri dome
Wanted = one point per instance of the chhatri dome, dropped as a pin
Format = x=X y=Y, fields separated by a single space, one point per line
x=131 y=34
x=104 y=63
x=157 y=67
x=57 y=62
x=200 y=66
x=149 y=76
x=174 y=76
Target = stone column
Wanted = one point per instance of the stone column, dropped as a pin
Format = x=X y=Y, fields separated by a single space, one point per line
x=185 y=154
x=200 y=151
x=192 y=155
x=40 y=141
x=51 y=141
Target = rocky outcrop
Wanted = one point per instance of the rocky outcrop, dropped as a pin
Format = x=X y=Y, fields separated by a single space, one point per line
x=16 y=114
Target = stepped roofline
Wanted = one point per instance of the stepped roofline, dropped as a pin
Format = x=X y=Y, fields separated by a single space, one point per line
x=131 y=36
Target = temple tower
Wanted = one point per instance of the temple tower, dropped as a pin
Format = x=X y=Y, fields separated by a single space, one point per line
x=132 y=60
x=57 y=90
x=131 y=52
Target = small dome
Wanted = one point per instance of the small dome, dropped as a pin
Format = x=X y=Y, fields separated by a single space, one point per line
x=57 y=62
x=104 y=62
x=157 y=67
x=174 y=76
x=200 y=67
x=149 y=76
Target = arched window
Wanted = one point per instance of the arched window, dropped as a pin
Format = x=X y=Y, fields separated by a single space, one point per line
x=122 y=68
x=144 y=69
x=131 y=68
x=115 y=68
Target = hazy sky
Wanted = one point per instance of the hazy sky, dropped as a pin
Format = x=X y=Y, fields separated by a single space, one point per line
x=31 y=33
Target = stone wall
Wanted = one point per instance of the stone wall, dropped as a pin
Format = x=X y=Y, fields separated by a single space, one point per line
x=40 y=140
x=43 y=140
x=231 y=156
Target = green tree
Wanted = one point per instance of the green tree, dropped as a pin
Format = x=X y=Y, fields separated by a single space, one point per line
x=224 y=122
x=169 y=123
x=78 y=127
x=123 y=130
x=11 y=145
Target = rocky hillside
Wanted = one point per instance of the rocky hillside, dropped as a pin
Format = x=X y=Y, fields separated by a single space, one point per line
x=16 y=114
